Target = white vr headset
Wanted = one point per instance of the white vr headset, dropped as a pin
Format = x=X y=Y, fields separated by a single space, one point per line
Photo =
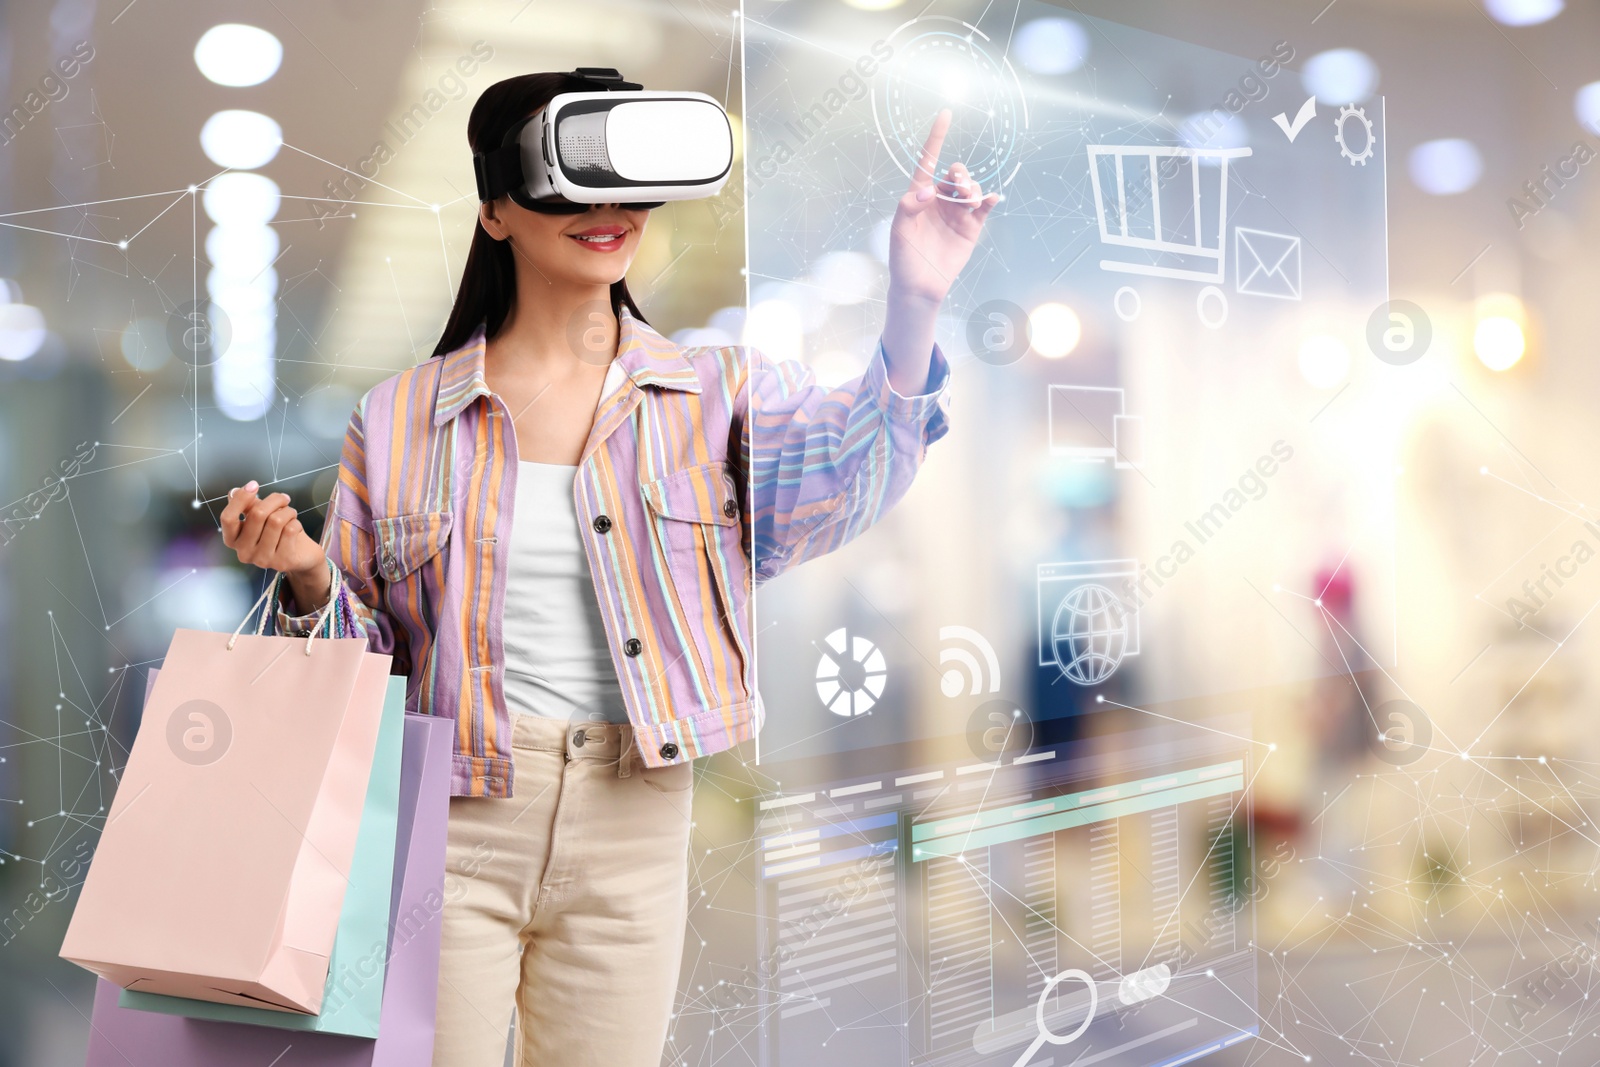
x=617 y=144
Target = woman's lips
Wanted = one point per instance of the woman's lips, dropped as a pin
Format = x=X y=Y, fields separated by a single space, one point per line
x=601 y=242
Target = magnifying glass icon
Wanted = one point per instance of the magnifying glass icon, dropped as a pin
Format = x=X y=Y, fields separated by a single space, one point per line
x=1044 y=1031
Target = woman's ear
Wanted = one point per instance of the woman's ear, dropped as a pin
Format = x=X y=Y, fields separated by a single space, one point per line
x=490 y=221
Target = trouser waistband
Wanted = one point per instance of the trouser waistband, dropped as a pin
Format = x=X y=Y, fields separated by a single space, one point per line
x=607 y=742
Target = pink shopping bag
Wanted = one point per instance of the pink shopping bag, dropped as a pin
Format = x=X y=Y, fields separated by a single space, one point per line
x=124 y=1037
x=221 y=869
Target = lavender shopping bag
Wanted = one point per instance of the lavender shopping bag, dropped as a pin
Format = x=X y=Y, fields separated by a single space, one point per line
x=124 y=1037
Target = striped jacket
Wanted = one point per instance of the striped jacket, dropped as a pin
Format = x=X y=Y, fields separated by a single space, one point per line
x=701 y=462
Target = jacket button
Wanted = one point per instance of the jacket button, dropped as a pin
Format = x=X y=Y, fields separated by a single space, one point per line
x=669 y=751
x=632 y=646
x=602 y=524
x=730 y=509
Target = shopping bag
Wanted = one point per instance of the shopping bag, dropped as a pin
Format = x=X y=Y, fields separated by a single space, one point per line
x=353 y=996
x=125 y=1037
x=221 y=869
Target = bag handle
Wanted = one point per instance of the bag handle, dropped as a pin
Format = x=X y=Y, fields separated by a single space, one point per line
x=267 y=605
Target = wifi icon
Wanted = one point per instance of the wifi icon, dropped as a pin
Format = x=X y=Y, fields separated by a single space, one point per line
x=966 y=674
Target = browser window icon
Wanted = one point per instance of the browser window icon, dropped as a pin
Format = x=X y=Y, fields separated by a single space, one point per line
x=1269 y=263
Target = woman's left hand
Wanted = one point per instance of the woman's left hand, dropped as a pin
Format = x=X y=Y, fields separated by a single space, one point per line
x=930 y=241
x=936 y=225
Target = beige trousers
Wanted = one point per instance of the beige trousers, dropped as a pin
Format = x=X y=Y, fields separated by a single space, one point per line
x=567 y=901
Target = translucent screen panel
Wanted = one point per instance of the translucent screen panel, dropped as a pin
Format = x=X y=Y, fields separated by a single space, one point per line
x=1164 y=432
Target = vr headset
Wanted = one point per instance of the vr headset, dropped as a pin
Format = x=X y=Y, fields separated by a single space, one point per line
x=614 y=142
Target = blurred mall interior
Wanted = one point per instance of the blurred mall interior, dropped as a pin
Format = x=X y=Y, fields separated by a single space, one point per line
x=292 y=180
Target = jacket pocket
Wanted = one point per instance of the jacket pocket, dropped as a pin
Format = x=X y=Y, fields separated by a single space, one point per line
x=403 y=543
x=695 y=494
x=698 y=524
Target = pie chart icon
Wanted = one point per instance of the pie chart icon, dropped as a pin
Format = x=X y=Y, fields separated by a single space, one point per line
x=850 y=675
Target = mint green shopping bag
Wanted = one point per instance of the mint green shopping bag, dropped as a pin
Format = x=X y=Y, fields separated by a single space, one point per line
x=353 y=998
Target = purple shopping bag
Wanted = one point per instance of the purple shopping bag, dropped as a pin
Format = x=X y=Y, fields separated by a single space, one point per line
x=124 y=1037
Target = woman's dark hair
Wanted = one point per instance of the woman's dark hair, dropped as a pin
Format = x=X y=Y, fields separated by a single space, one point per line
x=489 y=280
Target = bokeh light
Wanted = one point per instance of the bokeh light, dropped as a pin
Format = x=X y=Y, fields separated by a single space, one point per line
x=1523 y=12
x=1055 y=330
x=1586 y=106
x=1051 y=46
x=238 y=55
x=1340 y=76
x=774 y=327
x=144 y=344
x=241 y=199
x=1445 y=167
x=1500 y=336
x=241 y=140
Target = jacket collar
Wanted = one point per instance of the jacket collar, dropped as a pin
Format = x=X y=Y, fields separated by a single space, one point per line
x=642 y=354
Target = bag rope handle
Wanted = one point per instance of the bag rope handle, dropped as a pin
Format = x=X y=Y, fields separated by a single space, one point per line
x=341 y=623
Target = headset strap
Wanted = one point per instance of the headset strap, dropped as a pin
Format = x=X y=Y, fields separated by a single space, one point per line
x=604 y=78
x=499 y=171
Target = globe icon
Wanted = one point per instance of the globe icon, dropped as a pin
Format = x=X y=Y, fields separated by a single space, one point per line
x=1089 y=634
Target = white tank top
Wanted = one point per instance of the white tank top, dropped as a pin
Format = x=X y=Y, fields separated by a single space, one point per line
x=557 y=664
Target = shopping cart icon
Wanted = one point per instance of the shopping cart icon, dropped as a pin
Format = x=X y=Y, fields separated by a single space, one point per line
x=1127 y=181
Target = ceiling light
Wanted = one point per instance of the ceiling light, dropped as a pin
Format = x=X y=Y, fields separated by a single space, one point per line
x=1054 y=330
x=244 y=297
x=241 y=140
x=1523 y=12
x=1500 y=338
x=242 y=380
x=1447 y=166
x=1340 y=76
x=1499 y=342
x=241 y=199
x=241 y=251
x=1051 y=46
x=236 y=54
x=1586 y=105
x=22 y=331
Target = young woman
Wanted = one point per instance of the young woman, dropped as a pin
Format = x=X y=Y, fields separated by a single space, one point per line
x=553 y=526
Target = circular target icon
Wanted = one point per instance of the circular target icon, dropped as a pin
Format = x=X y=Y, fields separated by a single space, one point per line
x=939 y=62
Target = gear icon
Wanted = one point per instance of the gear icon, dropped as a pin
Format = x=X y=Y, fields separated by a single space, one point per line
x=1348 y=112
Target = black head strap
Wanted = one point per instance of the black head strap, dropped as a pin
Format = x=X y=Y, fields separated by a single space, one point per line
x=603 y=77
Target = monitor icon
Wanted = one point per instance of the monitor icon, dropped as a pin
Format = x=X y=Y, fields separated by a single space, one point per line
x=1088 y=424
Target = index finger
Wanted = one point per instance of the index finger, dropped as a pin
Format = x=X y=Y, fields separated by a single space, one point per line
x=239 y=502
x=930 y=150
x=231 y=521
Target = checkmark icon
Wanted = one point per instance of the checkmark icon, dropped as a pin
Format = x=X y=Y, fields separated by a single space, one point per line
x=1307 y=111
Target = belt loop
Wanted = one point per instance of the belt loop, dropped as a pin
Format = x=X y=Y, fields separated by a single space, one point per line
x=625 y=757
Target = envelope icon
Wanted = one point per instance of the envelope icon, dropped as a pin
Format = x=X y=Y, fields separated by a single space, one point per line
x=1268 y=263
